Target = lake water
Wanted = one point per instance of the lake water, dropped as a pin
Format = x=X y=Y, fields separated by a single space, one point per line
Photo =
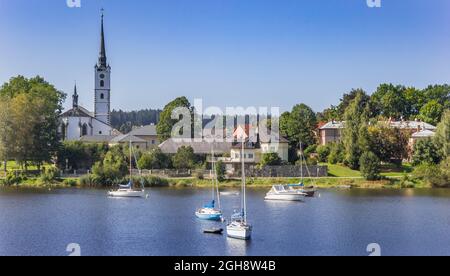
x=339 y=222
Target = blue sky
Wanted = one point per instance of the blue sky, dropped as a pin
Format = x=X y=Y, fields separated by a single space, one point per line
x=228 y=52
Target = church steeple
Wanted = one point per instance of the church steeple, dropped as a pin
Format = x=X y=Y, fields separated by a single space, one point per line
x=102 y=56
x=75 y=97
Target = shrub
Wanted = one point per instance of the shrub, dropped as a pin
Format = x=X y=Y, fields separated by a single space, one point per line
x=370 y=166
x=220 y=171
x=323 y=152
x=49 y=175
x=270 y=159
x=310 y=150
x=70 y=182
x=13 y=178
x=336 y=154
x=426 y=151
x=199 y=175
x=184 y=158
x=437 y=176
x=154 y=160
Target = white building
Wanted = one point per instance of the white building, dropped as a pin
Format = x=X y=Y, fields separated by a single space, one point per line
x=78 y=121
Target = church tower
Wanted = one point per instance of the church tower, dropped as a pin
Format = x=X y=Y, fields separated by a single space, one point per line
x=102 y=83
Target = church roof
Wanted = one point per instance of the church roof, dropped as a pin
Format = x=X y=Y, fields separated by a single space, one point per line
x=149 y=130
x=96 y=139
x=171 y=146
x=127 y=138
x=102 y=57
x=78 y=111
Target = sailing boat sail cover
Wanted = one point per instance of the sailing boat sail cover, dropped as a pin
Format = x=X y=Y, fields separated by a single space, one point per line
x=210 y=205
x=128 y=186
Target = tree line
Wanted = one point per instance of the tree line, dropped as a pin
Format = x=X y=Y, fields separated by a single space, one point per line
x=124 y=121
x=29 y=111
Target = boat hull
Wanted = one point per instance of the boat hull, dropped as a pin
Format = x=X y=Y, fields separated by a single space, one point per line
x=240 y=233
x=285 y=197
x=215 y=217
x=134 y=194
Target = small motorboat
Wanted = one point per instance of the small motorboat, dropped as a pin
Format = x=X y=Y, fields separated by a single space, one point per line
x=283 y=193
x=229 y=193
x=216 y=231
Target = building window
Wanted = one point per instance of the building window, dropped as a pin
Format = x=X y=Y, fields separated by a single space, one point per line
x=84 y=130
x=250 y=156
x=102 y=96
x=153 y=142
x=102 y=83
x=100 y=132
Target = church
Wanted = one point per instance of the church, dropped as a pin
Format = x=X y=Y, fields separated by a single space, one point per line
x=79 y=122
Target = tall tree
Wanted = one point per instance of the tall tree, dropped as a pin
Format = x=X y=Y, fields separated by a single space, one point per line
x=389 y=101
x=166 y=123
x=6 y=133
x=443 y=135
x=355 y=122
x=299 y=126
x=431 y=112
x=348 y=98
x=35 y=108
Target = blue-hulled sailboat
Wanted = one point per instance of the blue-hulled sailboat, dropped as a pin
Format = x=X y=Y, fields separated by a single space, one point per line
x=209 y=211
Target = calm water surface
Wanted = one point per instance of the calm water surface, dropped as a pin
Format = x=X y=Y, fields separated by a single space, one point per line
x=407 y=222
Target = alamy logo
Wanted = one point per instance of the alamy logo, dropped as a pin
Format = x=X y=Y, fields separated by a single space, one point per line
x=73 y=3
x=74 y=249
x=374 y=249
x=374 y=3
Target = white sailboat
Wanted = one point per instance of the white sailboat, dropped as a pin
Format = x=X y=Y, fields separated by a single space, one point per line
x=128 y=190
x=283 y=193
x=209 y=211
x=239 y=228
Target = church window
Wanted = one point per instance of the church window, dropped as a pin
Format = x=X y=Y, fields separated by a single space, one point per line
x=84 y=130
x=102 y=76
x=102 y=83
x=100 y=133
x=102 y=96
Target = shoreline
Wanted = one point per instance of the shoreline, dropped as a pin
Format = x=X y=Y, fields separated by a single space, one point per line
x=321 y=183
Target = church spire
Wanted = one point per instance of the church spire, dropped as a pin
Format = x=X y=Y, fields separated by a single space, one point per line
x=102 y=56
x=75 y=97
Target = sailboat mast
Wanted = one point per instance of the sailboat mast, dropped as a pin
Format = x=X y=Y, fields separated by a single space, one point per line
x=131 y=169
x=244 y=201
x=301 y=161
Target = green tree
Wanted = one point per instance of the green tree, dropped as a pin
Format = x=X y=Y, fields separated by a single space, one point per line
x=184 y=158
x=220 y=171
x=389 y=144
x=270 y=159
x=348 y=98
x=78 y=155
x=389 y=101
x=337 y=154
x=166 y=123
x=355 y=119
x=442 y=138
x=299 y=126
x=323 y=152
x=154 y=159
x=370 y=166
x=431 y=112
x=426 y=151
x=35 y=106
x=113 y=168
x=6 y=133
